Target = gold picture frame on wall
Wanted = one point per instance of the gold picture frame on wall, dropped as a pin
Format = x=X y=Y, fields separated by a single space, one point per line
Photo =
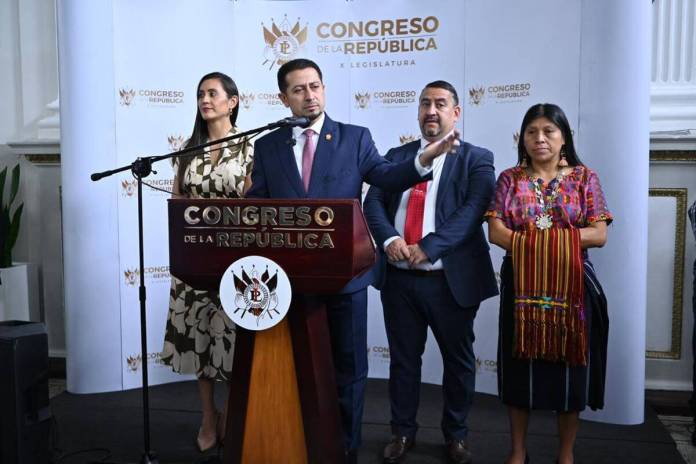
x=673 y=155
x=680 y=196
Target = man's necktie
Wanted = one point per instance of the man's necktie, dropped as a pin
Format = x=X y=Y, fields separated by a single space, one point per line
x=307 y=158
x=413 y=228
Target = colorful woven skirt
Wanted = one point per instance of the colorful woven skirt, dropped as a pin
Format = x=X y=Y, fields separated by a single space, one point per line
x=549 y=310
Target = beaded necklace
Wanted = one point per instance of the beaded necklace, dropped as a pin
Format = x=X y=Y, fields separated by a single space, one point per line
x=543 y=220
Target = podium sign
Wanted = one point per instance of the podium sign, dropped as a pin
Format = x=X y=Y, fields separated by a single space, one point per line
x=283 y=404
x=321 y=244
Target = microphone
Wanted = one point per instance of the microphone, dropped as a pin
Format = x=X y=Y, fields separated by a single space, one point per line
x=292 y=122
x=292 y=142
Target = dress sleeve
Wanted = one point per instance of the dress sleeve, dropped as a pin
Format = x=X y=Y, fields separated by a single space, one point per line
x=247 y=156
x=502 y=188
x=595 y=205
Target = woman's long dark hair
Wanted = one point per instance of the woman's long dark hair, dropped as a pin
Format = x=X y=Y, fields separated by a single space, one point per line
x=200 y=127
x=556 y=115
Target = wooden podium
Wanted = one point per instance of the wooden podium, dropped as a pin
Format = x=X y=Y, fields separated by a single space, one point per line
x=283 y=404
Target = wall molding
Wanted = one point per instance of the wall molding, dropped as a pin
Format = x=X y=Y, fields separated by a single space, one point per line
x=680 y=195
x=673 y=79
x=673 y=155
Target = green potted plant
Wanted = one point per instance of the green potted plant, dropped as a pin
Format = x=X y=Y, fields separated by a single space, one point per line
x=9 y=221
x=18 y=281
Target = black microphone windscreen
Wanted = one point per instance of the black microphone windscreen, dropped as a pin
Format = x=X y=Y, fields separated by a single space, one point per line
x=302 y=122
x=292 y=122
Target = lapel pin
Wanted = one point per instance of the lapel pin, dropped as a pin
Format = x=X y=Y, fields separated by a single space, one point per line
x=328 y=137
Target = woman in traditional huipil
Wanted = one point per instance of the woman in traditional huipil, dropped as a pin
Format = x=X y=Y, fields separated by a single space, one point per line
x=199 y=337
x=547 y=211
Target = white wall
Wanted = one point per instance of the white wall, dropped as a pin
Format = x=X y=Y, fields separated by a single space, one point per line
x=29 y=125
x=673 y=129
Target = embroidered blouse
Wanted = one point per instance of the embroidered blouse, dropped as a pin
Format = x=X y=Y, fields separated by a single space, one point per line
x=578 y=203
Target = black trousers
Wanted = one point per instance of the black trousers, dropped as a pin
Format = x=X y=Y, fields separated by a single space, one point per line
x=413 y=302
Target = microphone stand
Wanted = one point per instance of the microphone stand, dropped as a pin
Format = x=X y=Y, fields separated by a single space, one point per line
x=141 y=168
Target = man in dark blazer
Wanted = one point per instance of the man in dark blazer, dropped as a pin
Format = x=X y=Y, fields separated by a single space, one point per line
x=435 y=270
x=330 y=159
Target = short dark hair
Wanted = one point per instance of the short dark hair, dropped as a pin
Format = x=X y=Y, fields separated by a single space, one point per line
x=444 y=85
x=294 y=65
x=556 y=115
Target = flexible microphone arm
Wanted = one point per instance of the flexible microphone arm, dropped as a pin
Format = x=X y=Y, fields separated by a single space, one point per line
x=143 y=165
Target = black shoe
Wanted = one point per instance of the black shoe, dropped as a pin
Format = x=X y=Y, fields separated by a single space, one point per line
x=458 y=452
x=396 y=449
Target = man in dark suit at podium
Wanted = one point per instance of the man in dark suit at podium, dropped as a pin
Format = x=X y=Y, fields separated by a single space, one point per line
x=330 y=159
x=435 y=270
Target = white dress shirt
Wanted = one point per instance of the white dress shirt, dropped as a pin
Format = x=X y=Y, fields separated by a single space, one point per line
x=300 y=139
x=428 y=213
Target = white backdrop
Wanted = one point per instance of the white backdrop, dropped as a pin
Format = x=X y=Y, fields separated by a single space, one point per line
x=375 y=57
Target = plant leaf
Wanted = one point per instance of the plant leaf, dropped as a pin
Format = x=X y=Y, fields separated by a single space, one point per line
x=14 y=187
x=13 y=230
x=4 y=230
x=3 y=176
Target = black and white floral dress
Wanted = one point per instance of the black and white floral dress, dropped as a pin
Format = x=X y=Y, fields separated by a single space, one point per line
x=199 y=337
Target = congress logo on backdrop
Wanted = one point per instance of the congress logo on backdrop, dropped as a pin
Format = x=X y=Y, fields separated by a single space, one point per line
x=362 y=100
x=476 y=95
x=378 y=352
x=135 y=361
x=158 y=187
x=153 y=274
x=130 y=277
x=267 y=100
x=487 y=365
x=247 y=100
x=175 y=142
x=255 y=292
x=387 y=98
x=126 y=96
x=283 y=41
x=151 y=187
x=404 y=139
x=128 y=187
x=499 y=93
x=158 y=97
x=378 y=39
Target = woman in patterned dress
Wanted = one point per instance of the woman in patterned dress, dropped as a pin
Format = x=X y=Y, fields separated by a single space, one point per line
x=550 y=193
x=199 y=337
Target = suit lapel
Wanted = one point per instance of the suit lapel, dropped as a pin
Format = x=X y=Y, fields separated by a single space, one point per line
x=287 y=160
x=445 y=180
x=326 y=148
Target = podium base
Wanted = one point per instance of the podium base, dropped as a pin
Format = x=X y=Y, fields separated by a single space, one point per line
x=285 y=372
